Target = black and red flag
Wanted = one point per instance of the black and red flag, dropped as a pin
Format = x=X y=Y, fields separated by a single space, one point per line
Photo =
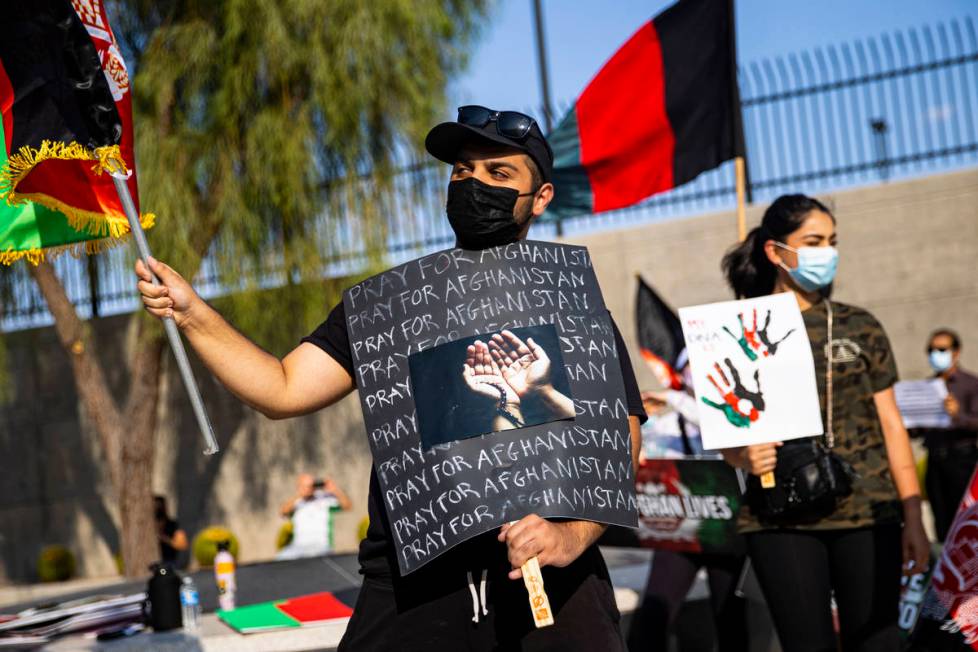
x=662 y=110
x=67 y=113
x=660 y=336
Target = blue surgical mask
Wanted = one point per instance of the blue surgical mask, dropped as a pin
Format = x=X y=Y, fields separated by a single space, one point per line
x=940 y=361
x=816 y=266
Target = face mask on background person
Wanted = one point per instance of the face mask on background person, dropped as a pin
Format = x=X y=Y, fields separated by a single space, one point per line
x=816 y=266
x=940 y=360
x=482 y=215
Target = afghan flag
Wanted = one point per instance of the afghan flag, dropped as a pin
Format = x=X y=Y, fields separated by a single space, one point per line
x=660 y=336
x=662 y=110
x=36 y=233
x=67 y=124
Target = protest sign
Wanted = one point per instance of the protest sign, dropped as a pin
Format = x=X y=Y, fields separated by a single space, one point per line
x=949 y=616
x=688 y=506
x=504 y=362
x=753 y=372
x=921 y=403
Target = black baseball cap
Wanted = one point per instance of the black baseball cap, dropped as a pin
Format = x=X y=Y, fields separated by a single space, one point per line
x=478 y=123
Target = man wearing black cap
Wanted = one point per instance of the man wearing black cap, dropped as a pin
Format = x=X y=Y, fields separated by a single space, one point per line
x=472 y=597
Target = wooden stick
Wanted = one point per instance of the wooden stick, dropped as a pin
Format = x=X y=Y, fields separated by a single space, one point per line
x=741 y=174
x=539 y=602
x=767 y=480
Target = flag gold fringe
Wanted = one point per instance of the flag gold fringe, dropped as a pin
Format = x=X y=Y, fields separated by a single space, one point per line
x=107 y=159
x=75 y=249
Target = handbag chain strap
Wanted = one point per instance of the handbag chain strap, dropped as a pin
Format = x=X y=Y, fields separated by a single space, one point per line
x=829 y=432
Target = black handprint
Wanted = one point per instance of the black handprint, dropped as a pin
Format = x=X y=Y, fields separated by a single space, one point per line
x=772 y=347
x=740 y=391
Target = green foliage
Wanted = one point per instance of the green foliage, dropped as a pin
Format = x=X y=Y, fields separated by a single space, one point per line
x=267 y=133
x=205 y=544
x=55 y=564
x=284 y=536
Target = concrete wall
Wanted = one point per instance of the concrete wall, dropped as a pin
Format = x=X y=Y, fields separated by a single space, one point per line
x=908 y=255
x=53 y=487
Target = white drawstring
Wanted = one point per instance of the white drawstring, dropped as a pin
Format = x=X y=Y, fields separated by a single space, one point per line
x=482 y=591
x=476 y=603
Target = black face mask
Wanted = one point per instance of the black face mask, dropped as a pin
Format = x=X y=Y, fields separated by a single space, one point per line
x=482 y=215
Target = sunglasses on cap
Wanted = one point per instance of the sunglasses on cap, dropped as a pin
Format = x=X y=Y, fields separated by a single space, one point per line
x=511 y=124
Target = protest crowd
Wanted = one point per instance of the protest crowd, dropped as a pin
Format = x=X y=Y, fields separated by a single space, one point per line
x=773 y=464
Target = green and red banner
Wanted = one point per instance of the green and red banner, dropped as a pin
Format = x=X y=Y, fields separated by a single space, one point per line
x=688 y=506
x=662 y=110
x=67 y=121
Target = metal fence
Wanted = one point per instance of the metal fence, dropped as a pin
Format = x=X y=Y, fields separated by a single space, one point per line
x=892 y=106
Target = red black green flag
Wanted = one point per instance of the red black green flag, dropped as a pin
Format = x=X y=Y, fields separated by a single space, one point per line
x=662 y=110
x=67 y=119
x=660 y=336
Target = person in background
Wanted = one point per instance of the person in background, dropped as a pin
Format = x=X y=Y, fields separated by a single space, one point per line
x=311 y=511
x=173 y=540
x=952 y=453
x=856 y=551
x=672 y=431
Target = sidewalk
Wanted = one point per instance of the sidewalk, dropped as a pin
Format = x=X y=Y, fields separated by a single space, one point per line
x=278 y=580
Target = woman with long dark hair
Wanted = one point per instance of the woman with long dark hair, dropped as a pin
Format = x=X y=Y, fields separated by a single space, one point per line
x=854 y=546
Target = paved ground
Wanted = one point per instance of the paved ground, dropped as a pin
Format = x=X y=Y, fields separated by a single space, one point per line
x=278 y=580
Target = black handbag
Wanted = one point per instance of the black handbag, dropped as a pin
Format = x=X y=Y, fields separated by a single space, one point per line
x=810 y=479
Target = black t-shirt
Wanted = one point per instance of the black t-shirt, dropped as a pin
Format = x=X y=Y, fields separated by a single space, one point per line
x=376 y=555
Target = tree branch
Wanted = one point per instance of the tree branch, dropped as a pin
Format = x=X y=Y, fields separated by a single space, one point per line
x=92 y=385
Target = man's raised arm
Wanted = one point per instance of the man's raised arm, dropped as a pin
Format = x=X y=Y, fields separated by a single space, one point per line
x=306 y=380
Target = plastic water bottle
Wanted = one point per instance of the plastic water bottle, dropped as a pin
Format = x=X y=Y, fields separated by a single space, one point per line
x=224 y=575
x=190 y=604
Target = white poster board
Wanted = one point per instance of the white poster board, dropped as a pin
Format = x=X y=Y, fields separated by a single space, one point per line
x=753 y=371
x=921 y=403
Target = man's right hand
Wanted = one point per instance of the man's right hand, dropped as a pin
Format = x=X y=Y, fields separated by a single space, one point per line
x=173 y=298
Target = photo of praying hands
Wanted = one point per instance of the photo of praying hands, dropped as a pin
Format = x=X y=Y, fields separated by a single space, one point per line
x=485 y=379
x=528 y=372
x=488 y=383
x=515 y=376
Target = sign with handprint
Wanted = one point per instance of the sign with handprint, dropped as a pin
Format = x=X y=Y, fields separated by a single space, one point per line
x=491 y=389
x=753 y=371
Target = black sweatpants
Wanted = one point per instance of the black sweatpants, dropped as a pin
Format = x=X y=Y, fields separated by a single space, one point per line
x=671 y=576
x=799 y=570
x=948 y=471
x=432 y=610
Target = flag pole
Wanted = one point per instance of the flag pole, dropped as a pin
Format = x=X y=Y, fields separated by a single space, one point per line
x=170 y=326
x=740 y=161
x=740 y=170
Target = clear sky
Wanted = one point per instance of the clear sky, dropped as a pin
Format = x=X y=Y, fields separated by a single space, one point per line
x=582 y=34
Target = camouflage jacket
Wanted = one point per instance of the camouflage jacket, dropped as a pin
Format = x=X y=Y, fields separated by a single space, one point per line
x=863 y=364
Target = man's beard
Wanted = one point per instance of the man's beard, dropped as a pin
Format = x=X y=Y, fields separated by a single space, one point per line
x=523 y=217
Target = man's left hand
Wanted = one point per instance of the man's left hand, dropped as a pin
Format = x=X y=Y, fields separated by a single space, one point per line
x=553 y=544
x=951 y=406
